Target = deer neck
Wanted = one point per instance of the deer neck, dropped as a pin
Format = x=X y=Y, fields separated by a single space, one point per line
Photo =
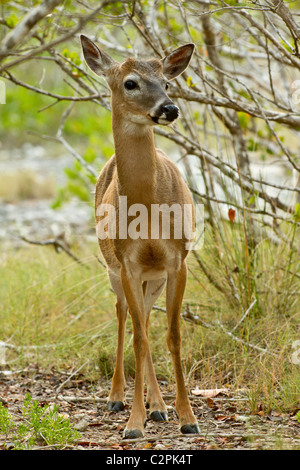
x=136 y=159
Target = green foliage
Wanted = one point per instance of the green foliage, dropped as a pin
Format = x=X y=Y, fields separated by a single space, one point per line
x=297 y=212
x=80 y=184
x=244 y=119
x=6 y=420
x=40 y=425
x=12 y=20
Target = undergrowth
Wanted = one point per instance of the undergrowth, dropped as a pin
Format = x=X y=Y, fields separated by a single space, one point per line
x=39 y=425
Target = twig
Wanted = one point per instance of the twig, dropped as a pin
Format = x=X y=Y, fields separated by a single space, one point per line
x=100 y=261
x=70 y=377
x=244 y=316
x=57 y=243
x=188 y=315
x=291 y=119
x=61 y=139
x=73 y=399
x=283 y=11
x=48 y=93
x=246 y=343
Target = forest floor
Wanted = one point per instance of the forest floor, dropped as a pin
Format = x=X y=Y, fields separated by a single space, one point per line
x=225 y=420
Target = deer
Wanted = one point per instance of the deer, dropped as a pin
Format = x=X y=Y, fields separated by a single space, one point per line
x=140 y=269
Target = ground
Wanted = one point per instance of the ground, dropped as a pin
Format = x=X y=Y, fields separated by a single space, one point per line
x=225 y=420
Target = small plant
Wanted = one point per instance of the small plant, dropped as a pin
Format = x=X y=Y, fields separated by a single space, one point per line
x=39 y=425
x=298 y=417
x=6 y=421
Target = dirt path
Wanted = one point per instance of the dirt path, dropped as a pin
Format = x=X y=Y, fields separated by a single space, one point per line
x=225 y=421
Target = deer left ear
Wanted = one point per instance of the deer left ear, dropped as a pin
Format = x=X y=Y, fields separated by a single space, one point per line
x=177 y=61
x=98 y=61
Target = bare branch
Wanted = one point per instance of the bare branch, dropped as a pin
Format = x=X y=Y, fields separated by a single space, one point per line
x=19 y=33
x=48 y=93
x=59 y=243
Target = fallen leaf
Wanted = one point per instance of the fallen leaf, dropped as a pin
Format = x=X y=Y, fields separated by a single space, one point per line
x=209 y=393
x=231 y=215
x=87 y=443
x=116 y=446
x=210 y=403
x=260 y=411
x=221 y=417
x=225 y=418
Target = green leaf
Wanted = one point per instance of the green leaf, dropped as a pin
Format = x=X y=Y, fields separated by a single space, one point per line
x=244 y=119
x=90 y=155
x=252 y=200
x=71 y=173
x=297 y=211
x=12 y=20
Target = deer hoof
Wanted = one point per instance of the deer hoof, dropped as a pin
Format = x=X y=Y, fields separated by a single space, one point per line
x=190 y=429
x=115 y=406
x=132 y=434
x=159 y=415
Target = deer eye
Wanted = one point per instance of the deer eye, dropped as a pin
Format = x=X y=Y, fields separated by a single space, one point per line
x=130 y=85
x=167 y=86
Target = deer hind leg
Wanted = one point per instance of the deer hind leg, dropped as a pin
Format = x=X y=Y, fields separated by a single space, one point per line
x=116 y=396
x=157 y=407
x=175 y=289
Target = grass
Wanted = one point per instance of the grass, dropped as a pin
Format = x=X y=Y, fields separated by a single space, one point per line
x=52 y=308
x=57 y=313
x=25 y=184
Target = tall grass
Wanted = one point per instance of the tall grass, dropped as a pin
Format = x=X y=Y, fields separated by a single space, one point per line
x=53 y=309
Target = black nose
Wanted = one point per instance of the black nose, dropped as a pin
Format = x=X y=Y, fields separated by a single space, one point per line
x=171 y=111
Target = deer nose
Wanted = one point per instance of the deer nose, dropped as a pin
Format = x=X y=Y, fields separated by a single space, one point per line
x=171 y=111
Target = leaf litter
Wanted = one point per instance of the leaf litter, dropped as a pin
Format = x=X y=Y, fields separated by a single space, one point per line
x=223 y=415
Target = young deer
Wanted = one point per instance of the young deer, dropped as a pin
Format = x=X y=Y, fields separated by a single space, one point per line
x=140 y=268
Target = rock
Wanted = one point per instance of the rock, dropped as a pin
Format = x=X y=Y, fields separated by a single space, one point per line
x=82 y=425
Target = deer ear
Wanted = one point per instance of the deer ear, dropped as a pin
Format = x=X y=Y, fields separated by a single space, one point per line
x=98 y=61
x=177 y=61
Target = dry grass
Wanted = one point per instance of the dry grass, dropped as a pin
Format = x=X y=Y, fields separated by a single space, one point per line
x=25 y=184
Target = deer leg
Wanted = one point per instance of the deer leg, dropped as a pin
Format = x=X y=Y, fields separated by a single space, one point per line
x=175 y=289
x=157 y=407
x=116 y=396
x=134 y=295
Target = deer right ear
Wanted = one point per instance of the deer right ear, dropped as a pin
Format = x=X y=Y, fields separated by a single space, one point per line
x=98 y=61
x=176 y=62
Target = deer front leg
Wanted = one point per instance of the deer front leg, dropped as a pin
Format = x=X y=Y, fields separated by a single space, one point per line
x=116 y=396
x=134 y=295
x=175 y=290
x=157 y=407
